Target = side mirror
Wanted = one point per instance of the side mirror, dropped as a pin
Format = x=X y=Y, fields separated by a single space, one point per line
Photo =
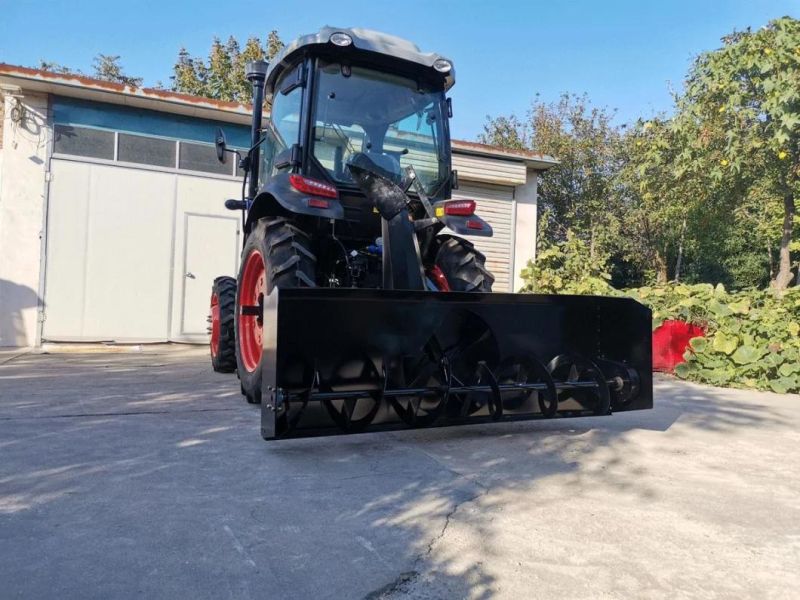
x=221 y=145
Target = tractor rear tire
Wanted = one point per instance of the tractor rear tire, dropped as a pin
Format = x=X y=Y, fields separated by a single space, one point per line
x=463 y=265
x=276 y=254
x=223 y=338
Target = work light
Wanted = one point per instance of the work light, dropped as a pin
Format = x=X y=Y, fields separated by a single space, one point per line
x=340 y=39
x=442 y=65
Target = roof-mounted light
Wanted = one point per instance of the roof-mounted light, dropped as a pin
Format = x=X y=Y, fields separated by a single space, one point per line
x=340 y=39
x=442 y=65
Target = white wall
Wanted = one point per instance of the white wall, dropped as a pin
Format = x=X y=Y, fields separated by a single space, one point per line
x=525 y=230
x=22 y=206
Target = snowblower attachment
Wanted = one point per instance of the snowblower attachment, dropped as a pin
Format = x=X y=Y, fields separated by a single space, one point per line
x=359 y=360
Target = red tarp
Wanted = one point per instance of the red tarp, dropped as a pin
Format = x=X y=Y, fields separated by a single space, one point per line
x=670 y=341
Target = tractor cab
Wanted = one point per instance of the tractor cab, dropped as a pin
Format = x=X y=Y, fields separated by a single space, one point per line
x=337 y=94
x=339 y=97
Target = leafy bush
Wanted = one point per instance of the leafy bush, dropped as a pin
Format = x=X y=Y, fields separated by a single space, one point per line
x=568 y=267
x=752 y=336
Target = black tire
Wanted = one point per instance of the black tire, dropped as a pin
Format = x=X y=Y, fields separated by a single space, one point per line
x=463 y=265
x=289 y=263
x=223 y=352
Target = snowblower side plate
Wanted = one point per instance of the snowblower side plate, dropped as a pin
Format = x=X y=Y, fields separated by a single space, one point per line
x=359 y=360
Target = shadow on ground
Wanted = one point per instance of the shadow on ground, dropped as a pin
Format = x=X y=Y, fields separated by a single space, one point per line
x=144 y=474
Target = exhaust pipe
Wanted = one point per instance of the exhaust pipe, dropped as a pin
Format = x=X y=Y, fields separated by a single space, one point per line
x=256 y=73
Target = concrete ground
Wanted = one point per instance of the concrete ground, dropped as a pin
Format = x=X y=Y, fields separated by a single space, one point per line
x=144 y=475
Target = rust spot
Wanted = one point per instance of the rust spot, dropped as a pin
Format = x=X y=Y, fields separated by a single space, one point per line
x=119 y=88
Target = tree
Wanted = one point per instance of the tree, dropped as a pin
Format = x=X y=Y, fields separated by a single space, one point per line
x=576 y=195
x=222 y=75
x=658 y=205
x=107 y=68
x=54 y=67
x=740 y=119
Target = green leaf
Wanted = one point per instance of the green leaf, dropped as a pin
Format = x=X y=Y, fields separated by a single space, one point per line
x=742 y=307
x=746 y=355
x=698 y=344
x=724 y=343
x=772 y=360
x=718 y=309
x=789 y=368
x=783 y=385
x=683 y=369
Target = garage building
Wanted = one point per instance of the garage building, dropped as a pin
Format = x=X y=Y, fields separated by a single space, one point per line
x=112 y=225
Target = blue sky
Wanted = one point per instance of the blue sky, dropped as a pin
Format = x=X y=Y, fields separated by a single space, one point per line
x=624 y=54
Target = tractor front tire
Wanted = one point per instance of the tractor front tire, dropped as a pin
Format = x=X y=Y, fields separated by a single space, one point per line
x=463 y=265
x=223 y=338
x=276 y=254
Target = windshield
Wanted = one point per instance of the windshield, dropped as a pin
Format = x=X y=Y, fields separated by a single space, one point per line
x=385 y=116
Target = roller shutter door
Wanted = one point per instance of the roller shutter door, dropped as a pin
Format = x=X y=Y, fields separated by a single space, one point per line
x=495 y=205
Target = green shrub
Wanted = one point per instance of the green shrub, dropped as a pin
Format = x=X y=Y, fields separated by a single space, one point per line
x=752 y=336
x=568 y=267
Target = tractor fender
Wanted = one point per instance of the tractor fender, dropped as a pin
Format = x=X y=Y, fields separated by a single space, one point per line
x=463 y=225
x=279 y=198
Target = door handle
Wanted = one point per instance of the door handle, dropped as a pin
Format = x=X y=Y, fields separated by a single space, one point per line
x=190 y=275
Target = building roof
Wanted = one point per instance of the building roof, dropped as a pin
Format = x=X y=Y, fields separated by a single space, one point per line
x=80 y=86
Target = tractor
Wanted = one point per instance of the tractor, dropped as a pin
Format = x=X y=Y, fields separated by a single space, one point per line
x=359 y=304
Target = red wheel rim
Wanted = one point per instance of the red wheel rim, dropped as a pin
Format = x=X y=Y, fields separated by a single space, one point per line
x=253 y=288
x=214 y=324
x=439 y=279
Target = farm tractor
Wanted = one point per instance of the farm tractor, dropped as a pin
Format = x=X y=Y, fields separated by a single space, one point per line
x=359 y=305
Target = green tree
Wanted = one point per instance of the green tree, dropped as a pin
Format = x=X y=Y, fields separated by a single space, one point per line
x=576 y=195
x=54 y=67
x=107 y=68
x=104 y=66
x=739 y=119
x=657 y=212
x=222 y=75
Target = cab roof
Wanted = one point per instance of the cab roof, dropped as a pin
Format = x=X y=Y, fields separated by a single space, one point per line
x=388 y=51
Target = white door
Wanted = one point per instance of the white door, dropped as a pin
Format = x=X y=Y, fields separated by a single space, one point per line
x=109 y=242
x=495 y=204
x=212 y=249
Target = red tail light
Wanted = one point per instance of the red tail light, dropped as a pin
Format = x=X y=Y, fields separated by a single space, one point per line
x=313 y=186
x=318 y=203
x=460 y=208
x=471 y=224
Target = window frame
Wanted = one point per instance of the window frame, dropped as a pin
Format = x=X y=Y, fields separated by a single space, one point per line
x=114 y=159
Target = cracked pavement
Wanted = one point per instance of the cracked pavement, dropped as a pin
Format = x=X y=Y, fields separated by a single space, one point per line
x=144 y=475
